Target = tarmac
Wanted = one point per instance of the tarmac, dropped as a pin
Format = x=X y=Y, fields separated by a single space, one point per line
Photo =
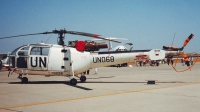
x=111 y=90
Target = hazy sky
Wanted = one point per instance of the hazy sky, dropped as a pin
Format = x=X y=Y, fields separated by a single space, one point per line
x=148 y=24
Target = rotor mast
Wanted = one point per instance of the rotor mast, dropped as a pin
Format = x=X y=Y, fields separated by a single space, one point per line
x=61 y=37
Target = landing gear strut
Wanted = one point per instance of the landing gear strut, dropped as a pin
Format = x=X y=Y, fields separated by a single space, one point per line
x=20 y=76
x=23 y=79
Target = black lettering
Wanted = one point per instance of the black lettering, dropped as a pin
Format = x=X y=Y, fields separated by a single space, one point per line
x=107 y=59
x=36 y=60
x=112 y=59
x=57 y=73
x=42 y=62
x=103 y=59
x=94 y=61
x=98 y=59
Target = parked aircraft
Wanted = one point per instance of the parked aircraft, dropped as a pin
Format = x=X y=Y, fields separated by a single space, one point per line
x=75 y=58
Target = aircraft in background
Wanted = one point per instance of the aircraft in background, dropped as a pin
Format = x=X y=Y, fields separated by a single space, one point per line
x=4 y=61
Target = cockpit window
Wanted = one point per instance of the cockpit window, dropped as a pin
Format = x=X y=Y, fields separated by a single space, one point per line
x=23 y=51
x=14 y=52
x=40 y=51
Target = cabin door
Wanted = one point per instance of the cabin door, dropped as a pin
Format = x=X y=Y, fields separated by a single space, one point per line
x=38 y=59
x=58 y=61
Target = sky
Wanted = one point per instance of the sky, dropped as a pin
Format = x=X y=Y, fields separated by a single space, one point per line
x=148 y=24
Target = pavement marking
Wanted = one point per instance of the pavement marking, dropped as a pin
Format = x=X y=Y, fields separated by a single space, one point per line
x=89 y=97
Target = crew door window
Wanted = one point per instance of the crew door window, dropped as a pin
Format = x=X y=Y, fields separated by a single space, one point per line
x=44 y=51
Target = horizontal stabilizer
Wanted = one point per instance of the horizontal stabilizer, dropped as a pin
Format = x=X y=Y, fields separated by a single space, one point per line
x=172 y=48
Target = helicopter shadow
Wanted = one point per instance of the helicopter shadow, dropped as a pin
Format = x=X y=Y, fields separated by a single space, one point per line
x=60 y=82
x=101 y=77
x=53 y=82
x=93 y=82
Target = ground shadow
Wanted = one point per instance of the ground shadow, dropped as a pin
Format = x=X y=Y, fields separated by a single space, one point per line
x=101 y=77
x=90 y=82
x=52 y=82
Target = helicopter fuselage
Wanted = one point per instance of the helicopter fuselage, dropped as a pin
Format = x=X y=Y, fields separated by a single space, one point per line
x=57 y=60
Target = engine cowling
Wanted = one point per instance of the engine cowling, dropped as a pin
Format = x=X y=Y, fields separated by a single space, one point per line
x=87 y=45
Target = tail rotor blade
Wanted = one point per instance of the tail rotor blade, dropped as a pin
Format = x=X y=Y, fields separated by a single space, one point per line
x=188 y=40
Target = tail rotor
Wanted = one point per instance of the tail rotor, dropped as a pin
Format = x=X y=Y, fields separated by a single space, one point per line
x=172 y=48
x=186 y=59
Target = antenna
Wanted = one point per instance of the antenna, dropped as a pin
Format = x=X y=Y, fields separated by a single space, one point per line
x=173 y=39
x=47 y=39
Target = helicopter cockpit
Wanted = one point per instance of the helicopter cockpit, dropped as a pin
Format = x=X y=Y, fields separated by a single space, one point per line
x=20 y=57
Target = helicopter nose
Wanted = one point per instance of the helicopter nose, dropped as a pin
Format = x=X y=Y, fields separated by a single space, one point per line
x=0 y=64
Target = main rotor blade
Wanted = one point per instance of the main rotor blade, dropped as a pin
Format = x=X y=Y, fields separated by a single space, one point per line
x=111 y=38
x=60 y=32
x=24 y=35
x=90 y=35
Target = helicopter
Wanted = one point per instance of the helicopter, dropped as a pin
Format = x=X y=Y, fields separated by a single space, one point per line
x=75 y=58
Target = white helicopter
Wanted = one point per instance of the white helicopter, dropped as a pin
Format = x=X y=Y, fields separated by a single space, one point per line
x=74 y=59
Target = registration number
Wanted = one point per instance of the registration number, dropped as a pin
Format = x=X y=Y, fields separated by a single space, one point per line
x=57 y=73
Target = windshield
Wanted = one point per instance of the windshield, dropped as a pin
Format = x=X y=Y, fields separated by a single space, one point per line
x=14 y=52
x=23 y=51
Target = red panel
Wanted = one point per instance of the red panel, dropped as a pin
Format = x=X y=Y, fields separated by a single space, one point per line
x=80 y=45
x=141 y=56
x=95 y=36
